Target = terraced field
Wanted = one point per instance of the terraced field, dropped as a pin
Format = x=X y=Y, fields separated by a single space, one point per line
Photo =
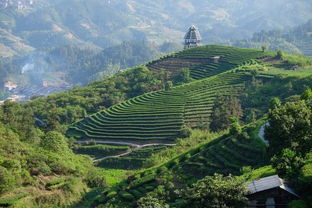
x=160 y=116
x=206 y=61
x=134 y=160
x=225 y=155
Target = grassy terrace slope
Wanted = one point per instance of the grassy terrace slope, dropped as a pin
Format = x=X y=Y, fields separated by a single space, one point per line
x=201 y=63
x=160 y=116
x=227 y=154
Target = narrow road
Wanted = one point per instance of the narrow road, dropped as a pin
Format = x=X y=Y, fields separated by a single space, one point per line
x=261 y=133
x=133 y=145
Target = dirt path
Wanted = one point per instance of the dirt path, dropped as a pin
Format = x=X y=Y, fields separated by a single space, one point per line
x=133 y=145
x=261 y=133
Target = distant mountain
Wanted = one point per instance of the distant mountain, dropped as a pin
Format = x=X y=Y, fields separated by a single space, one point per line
x=294 y=40
x=100 y=24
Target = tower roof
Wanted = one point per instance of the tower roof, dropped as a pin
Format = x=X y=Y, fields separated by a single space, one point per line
x=193 y=33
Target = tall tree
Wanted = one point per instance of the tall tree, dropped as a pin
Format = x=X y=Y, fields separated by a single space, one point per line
x=217 y=192
x=225 y=108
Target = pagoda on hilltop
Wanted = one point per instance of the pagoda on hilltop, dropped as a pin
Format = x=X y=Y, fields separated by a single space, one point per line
x=192 y=38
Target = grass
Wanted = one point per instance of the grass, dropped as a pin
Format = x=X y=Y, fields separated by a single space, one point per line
x=197 y=138
x=100 y=150
x=115 y=176
x=303 y=72
x=135 y=160
x=258 y=173
x=225 y=154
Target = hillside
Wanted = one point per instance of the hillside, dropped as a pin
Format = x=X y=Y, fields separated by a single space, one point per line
x=239 y=152
x=149 y=128
x=47 y=23
x=50 y=70
x=164 y=115
x=226 y=154
x=294 y=40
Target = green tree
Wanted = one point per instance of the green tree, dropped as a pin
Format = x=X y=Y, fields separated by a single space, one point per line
x=307 y=95
x=279 y=54
x=225 y=108
x=264 y=48
x=150 y=202
x=216 y=192
x=287 y=163
x=235 y=128
x=275 y=103
x=183 y=77
x=54 y=141
x=290 y=127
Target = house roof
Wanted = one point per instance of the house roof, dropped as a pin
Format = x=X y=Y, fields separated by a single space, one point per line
x=267 y=183
x=193 y=33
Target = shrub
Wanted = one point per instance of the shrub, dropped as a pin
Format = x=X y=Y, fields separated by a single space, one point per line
x=297 y=204
x=95 y=179
x=127 y=195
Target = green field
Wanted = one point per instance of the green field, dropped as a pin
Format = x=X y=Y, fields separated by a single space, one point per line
x=160 y=116
x=201 y=63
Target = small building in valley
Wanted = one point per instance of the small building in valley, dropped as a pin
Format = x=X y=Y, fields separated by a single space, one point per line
x=270 y=192
x=192 y=38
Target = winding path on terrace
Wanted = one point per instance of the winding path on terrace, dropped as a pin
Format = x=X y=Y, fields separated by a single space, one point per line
x=134 y=145
x=261 y=133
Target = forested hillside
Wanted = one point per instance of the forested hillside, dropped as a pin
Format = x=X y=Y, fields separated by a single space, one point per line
x=158 y=132
x=294 y=40
x=46 y=71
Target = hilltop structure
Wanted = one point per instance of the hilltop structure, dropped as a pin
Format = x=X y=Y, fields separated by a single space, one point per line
x=192 y=38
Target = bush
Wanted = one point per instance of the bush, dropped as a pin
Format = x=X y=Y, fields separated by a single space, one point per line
x=12 y=200
x=95 y=179
x=297 y=204
x=127 y=196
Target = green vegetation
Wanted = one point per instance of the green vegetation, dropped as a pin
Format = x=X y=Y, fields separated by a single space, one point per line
x=146 y=105
x=99 y=150
x=38 y=168
x=135 y=160
x=207 y=60
x=296 y=40
x=290 y=140
x=226 y=154
x=163 y=113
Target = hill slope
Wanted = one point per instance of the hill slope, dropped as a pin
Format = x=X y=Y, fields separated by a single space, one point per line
x=162 y=115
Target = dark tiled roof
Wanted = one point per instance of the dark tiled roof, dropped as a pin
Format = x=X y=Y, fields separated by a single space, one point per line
x=193 y=33
x=267 y=183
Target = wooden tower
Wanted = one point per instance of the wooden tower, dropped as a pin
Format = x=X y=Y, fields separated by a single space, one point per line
x=192 y=38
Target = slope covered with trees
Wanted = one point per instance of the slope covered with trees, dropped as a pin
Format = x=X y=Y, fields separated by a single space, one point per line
x=294 y=40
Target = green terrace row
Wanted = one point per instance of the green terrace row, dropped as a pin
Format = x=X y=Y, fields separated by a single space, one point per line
x=136 y=159
x=225 y=155
x=142 y=118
